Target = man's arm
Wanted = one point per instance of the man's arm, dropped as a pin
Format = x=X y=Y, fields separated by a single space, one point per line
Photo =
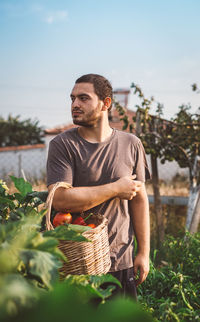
x=80 y=199
x=139 y=211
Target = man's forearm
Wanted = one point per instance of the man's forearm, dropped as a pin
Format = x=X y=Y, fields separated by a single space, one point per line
x=80 y=199
x=139 y=211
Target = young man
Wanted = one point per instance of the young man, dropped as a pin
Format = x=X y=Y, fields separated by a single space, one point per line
x=107 y=169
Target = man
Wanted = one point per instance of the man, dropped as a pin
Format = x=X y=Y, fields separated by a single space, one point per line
x=102 y=164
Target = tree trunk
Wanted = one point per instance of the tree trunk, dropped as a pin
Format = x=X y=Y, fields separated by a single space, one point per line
x=196 y=217
x=193 y=202
x=157 y=202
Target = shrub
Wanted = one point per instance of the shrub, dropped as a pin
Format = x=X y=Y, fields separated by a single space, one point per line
x=171 y=291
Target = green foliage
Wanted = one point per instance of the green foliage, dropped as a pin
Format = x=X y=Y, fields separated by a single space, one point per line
x=24 y=187
x=184 y=255
x=64 y=303
x=62 y=233
x=89 y=286
x=30 y=289
x=178 y=139
x=17 y=205
x=14 y=132
x=185 y=135
x=171 y=291
x=195 y=88
x=16 y=293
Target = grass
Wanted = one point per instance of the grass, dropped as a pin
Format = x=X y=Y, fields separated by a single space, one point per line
x=178 y=186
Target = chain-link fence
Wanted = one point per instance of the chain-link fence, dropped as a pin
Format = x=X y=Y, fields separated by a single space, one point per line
x=29 y=163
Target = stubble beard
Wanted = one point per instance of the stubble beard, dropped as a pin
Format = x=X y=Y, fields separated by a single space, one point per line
x=82 y=123
x=92 y=119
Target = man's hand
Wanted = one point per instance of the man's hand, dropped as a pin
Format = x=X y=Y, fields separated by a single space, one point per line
x=141 y=267
x=127 y=187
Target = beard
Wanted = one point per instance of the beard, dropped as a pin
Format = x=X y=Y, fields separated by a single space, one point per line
x=91 y=119
x=82 y=123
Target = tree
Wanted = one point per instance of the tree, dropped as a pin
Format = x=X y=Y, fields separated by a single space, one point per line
x=14 y=132
x=185 y=148
x=178 y=139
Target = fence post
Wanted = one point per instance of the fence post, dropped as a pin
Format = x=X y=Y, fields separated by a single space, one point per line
x=19 y=165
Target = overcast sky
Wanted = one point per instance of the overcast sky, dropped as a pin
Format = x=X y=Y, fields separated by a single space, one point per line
x=46 y=45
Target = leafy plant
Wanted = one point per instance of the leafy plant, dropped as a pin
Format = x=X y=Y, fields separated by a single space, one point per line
x=89 y=286
x=30 y=262
x=171 y=291
x=17 y=205
x=64 y=303
x=14 y=132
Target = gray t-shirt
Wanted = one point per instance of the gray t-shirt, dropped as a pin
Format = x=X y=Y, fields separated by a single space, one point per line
x=81 y=163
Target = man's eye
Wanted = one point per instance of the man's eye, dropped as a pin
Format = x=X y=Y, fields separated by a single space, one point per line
x=83 y=98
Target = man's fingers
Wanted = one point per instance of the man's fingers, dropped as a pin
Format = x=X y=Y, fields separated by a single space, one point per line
x=133 y=176
x=139 y=281
x=140 y=275
x=135 y=269
x=141 y=278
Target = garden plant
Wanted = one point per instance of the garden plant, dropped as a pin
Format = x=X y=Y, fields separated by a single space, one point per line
x=30 y=288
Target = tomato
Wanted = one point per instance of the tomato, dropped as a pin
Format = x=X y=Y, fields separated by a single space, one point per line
x=62 y=218
x=92 y=225
x=79 y=221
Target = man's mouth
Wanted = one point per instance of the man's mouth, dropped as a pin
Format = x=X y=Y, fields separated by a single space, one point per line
x=76 y=113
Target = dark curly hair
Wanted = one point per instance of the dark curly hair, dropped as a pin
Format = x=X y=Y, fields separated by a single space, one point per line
x=102 y=86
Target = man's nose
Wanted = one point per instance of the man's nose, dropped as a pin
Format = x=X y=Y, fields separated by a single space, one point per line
x=76 y=102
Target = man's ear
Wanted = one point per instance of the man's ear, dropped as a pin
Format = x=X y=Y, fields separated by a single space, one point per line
x=107 y=103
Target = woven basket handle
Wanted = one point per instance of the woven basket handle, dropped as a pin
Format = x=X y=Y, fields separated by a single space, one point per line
x=49 y=201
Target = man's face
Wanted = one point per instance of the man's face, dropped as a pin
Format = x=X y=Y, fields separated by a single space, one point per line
x=86 y=106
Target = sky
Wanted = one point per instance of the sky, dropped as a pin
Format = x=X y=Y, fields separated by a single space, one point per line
x=46 y=45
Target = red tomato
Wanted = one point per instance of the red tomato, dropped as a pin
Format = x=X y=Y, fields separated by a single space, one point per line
x=79 y=221
x=62 y=218
x=92 y=225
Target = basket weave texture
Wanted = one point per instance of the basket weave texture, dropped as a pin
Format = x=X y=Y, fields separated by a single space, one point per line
x=93 y=257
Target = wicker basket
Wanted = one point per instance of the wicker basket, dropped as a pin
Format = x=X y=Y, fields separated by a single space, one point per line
x=92 y=257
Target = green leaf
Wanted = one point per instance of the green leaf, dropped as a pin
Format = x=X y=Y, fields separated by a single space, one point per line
x=16 y=294
x=42 y=195
x=62 y=233
x=79 y=228
x=91 y=284
x=2 y=190
x=41 y=265
x=97 y=280
x=47 y=244
x=22 y=186
x=19 y=197
x=122 y=309
x=7 y=201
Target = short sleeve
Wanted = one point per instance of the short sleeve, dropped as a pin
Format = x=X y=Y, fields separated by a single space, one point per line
x=141 y=168
x=59 y=165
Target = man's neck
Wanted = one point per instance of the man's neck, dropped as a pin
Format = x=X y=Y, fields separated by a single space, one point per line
x=96 y=134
